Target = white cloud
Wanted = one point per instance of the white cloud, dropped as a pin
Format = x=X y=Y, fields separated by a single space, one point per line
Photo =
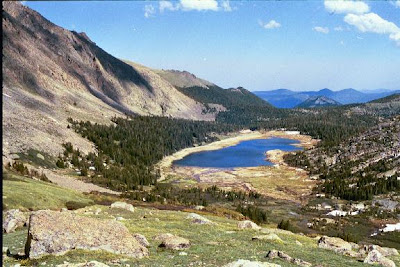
x=199 y=5
x=226 y=6
x=324 y=30
x=166 y=5
x=149 y=11
x=272 y=24
x=372 y=22
x=360 y=38
x=344 y=6
x=395 y=37
x=396 y=3
x=338 y=29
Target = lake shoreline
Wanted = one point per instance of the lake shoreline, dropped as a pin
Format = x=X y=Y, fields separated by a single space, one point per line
x=166 y=164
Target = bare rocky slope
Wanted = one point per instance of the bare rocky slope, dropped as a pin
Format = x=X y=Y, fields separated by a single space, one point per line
x=183 y=79
x=50 y=74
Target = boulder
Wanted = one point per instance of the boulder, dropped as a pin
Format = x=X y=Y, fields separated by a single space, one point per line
x=334 y=243
x=354 y=254
x=123 y=205
x=383 y=250
x=14 y=219
x=272 y=254
x=173 y=242
x=162 y=237
x=269 y=237
x=85 y=264
x=248 y=225
x=142 y=240
x=375 y=257
x=197 y=219
x=354 y=245
x=247 y=263
x=301 y=263
x=54 y=232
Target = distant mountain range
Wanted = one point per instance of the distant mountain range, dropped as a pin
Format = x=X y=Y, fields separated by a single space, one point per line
x=285 y=98
x=318 y=101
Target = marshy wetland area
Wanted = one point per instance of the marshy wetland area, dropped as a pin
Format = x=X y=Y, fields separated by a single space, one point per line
x=276 y=180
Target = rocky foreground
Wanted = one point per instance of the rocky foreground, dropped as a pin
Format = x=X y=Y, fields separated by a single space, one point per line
x=120 y=234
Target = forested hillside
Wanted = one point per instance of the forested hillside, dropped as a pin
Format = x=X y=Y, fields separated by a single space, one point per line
x=128 y=150
x=228 y=98
x=359 y=167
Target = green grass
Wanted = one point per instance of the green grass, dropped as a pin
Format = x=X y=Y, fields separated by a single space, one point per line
x=28 y=194
x=212 y=245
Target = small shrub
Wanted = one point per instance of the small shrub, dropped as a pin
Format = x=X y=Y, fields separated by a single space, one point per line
x=60 y=164
x=73 y=205
x=285 y=225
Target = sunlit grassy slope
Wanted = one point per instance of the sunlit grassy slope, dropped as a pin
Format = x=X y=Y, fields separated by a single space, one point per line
x=212 y=245
x=28 y=194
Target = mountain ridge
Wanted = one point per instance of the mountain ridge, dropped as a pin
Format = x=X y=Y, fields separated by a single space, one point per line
x=318 y=101
x=51 y=73
x=286 y=98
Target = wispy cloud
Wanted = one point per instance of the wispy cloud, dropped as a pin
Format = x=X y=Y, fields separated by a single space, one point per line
x=396 y=3
x=199 y=5
x=372 y=22
x=226 y=6
x=344 y=7
x=149 y=11
x=320 y=29
x=338 y=29
x=166 y=5
x=272 y=24
x=189 y=5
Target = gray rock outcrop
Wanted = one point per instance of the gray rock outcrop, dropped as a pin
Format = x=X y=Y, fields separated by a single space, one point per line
x=198 y=219
x=248 y=225
x=142 y=240
x=247 y=263
x=383 y=250
x=334 y=243
x=123 y=205
x=272 y=254
x=170 y=241
x=85 y=264
x=53 y=232
x=14 y=219
x=375 y=257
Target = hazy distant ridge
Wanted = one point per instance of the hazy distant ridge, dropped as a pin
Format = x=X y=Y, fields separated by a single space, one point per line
x=285 y=98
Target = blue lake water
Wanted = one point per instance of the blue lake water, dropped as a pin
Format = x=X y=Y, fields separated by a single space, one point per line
x=249 y=153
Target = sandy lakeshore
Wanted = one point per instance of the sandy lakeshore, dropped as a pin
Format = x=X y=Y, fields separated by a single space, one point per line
x=278 y=181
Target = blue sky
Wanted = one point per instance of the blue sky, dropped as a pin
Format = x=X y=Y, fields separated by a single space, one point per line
x=258 y=45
